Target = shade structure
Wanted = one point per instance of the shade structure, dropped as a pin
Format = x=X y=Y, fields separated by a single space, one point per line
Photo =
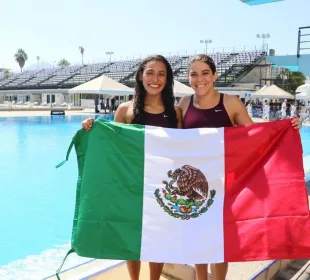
x=258 y=2
x=102 y=85
x=272 y=91
x=304 y=88
x=181 y=90
x=303 y=96
x=303 y=92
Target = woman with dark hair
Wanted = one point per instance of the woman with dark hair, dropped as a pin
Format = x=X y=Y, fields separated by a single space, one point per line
x=209 y=108
x=152 y=104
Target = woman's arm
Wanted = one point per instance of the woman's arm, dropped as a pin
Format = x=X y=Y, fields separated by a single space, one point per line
x=179 y=116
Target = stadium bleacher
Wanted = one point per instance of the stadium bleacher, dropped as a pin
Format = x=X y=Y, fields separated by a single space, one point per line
x=230 y=65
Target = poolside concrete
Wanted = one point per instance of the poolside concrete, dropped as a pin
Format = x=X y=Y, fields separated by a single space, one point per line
x=47 y=112
x=27 y=113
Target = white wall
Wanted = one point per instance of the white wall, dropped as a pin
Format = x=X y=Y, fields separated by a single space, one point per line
x=35 y=98
x=59 y=98
x=44 y=98
x=87 y=104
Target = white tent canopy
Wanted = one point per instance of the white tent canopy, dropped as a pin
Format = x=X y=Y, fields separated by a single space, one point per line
x=303 y=96
x=303 y=91
x=181 y=90
x=272 y=92
x=102 y=85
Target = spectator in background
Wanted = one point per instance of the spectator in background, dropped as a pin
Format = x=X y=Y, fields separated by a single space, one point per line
x=96 y=105
x=108 y=104
x=116 y=103
x=266 y=111
x=102 y=106
x=249 y=108
x=283 y=109
x=112 y=104
x=293 y=110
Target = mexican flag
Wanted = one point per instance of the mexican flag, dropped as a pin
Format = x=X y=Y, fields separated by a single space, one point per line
x=191 y=196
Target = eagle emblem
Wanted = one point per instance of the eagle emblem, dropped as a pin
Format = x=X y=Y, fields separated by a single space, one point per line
x=185 y=196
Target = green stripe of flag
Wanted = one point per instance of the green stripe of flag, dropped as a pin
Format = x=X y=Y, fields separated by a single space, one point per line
x=122 y=193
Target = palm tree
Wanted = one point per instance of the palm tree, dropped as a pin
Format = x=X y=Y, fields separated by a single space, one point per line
x=6 y=74
x=82 y=53
x=21 y=57
x=63 y=62
x=38 y=59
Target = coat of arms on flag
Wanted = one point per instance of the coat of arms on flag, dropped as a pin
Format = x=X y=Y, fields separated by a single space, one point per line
x=189 y=198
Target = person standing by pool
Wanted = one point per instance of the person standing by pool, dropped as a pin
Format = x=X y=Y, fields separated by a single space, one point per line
x=293 y=110
x=266 y=111
x=153 y=104
x=112 y=104
x=249 y=108
x=209 y=108
x=283 y=109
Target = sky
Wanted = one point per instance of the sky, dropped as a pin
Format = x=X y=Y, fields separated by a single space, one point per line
x=55 y=29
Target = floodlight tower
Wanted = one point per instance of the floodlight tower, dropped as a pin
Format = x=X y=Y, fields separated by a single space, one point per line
x=110 y=53
x=264 y=37
x=206 y=42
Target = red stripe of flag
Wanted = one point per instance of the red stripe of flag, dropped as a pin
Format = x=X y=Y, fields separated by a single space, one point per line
x=266 y=212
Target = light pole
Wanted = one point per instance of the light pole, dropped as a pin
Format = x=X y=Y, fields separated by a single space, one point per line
x=38 y=59
x=206 y=42
x=264 y=37
x=110 y=54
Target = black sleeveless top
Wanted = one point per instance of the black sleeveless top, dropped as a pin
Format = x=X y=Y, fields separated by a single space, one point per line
x=160 y=120
x=213 y=117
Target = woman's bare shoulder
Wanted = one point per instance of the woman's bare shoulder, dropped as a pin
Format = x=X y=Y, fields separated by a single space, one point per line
x=126 y=105
x=184 y=101
x=124 y=112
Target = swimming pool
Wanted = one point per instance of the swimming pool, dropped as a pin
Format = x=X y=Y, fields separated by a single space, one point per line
x=305 y=138
x=37 y=201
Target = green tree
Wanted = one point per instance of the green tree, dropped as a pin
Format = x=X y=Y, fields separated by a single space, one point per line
x=296 y=79
x=82 y=54
x=21 y=57
x=63 y=62
x=290 y=81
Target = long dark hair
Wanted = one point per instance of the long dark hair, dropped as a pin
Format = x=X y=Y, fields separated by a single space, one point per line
x=166 y=95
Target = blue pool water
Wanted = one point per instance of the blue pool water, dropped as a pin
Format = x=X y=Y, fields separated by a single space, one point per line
x=305 y=138
x=37 y=200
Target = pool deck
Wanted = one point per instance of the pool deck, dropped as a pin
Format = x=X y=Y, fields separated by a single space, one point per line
x=93 y=270
x=32 y=113
x=46 y=112
x=27 y=113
